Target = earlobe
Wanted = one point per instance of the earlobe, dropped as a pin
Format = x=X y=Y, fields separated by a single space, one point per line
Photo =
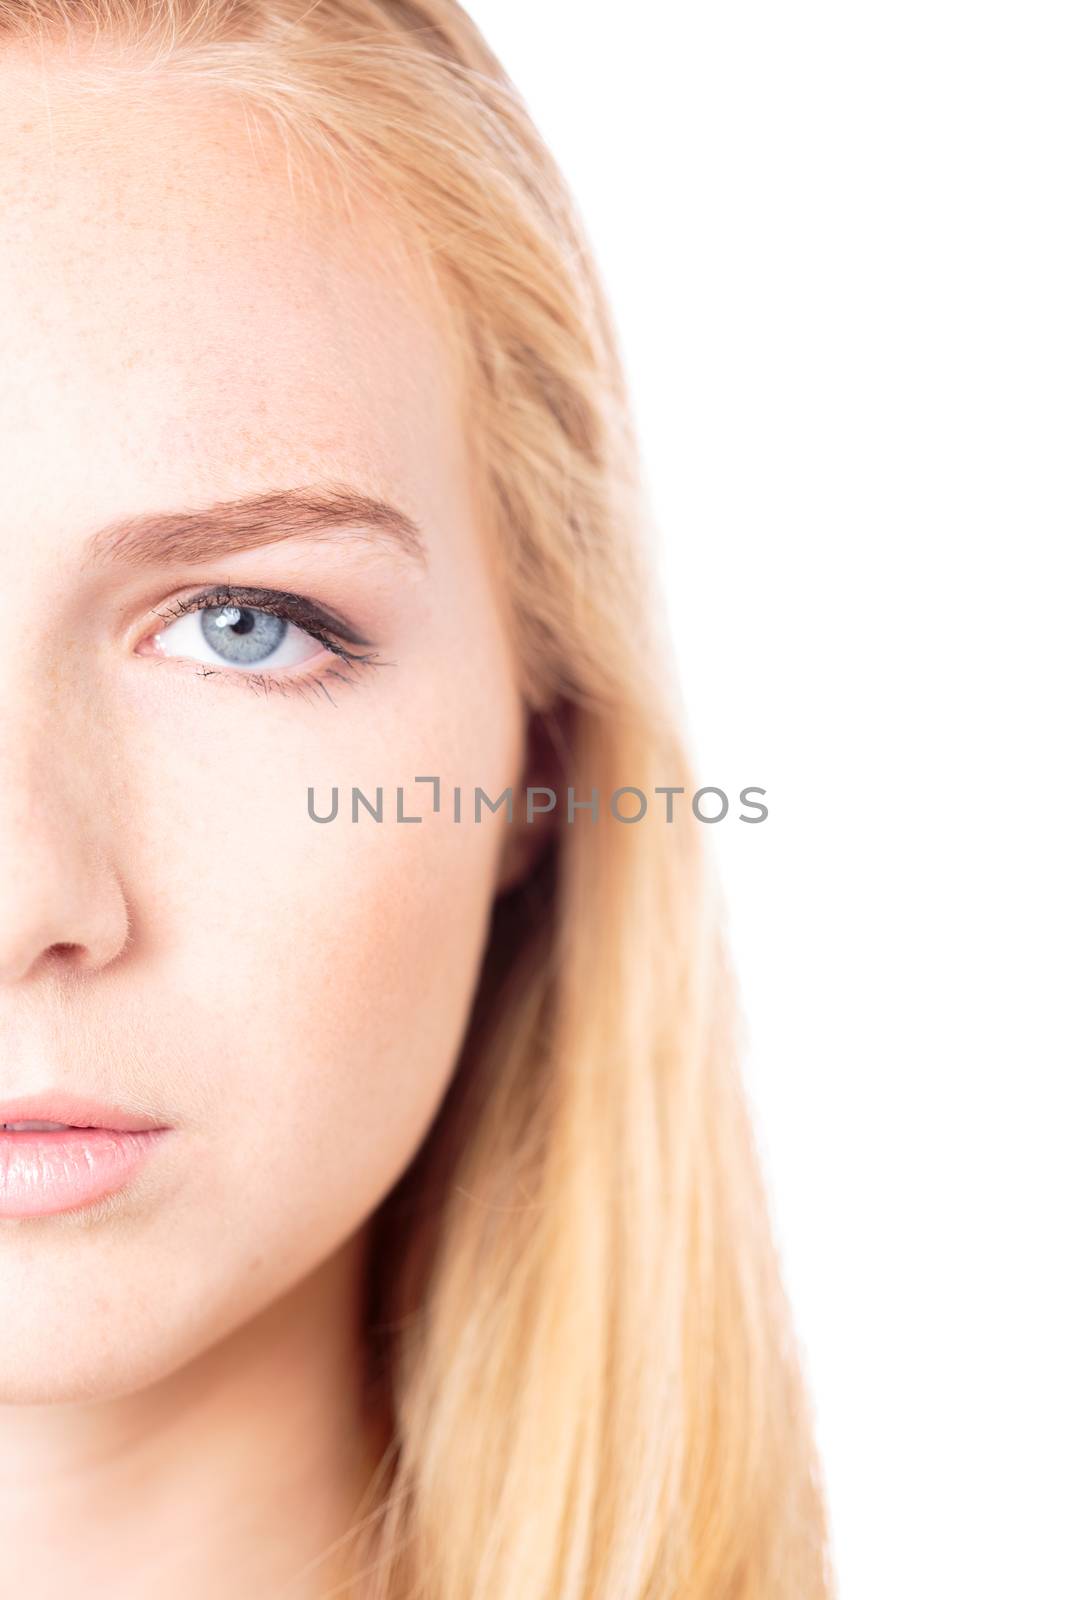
x=524 y=844
x=525 y=841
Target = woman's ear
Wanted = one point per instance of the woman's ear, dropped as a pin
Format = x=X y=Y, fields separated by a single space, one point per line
x=544 y=768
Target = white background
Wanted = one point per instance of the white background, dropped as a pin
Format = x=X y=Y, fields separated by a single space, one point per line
x=834 y=239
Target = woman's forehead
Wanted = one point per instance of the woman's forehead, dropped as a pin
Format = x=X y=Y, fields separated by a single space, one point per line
x=177 y=309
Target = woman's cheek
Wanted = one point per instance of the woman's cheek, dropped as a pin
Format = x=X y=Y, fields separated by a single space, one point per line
x=330 y=983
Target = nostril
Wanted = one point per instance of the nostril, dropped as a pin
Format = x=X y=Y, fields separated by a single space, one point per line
x=70 y=954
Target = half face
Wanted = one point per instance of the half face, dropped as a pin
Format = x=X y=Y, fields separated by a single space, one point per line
x=181 y=330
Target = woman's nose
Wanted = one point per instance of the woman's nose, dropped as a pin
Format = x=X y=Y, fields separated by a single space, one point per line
x=61 y=899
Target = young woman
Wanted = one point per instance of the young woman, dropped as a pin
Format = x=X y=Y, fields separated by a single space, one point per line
x=378 y=1212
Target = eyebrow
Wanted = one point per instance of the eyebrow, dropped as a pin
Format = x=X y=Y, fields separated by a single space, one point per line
x=251 y=521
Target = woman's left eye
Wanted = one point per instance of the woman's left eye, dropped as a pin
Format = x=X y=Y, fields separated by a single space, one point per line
x=239 y=636
x=252 y=632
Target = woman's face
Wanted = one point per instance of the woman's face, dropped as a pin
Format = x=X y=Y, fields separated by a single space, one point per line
x=177 y=935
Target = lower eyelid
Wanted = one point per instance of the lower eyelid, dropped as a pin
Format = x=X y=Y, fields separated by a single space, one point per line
x=327 y=668
x=311 y=685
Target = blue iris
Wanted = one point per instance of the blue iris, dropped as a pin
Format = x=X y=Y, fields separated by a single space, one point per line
x=238 y=633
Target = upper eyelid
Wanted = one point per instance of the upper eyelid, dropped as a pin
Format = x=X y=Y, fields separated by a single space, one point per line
x=308 y=614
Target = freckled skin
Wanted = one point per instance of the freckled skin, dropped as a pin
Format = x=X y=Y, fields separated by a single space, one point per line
x=179 y=328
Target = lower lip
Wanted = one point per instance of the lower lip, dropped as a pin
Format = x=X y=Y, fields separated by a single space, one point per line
x=42 y=1172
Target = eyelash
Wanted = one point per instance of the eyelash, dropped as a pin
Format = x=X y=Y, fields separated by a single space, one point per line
x=293 y=608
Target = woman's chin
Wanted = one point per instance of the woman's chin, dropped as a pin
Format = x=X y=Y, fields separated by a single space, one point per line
x=60 y=1345
x=70 y=1371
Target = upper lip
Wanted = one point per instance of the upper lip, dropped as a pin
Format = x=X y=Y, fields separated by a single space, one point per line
x=76 y=1111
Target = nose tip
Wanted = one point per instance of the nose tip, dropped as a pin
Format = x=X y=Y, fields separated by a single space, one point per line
x=21 y=957
x=64 y=914
x=57 y=958
x=62 y=905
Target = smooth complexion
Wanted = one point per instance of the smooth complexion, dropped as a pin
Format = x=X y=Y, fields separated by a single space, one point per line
x=180 y=1386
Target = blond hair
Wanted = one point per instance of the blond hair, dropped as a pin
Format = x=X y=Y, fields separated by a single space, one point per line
x=574 y=1303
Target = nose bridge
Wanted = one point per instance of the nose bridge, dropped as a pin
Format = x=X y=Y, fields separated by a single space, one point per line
x=60 y=892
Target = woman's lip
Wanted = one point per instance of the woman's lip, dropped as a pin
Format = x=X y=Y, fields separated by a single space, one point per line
x=97 y=1152
x=64 y=1169
x=76 y=1111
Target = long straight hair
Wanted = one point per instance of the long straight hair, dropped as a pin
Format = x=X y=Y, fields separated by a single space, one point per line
x=574 y=1307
